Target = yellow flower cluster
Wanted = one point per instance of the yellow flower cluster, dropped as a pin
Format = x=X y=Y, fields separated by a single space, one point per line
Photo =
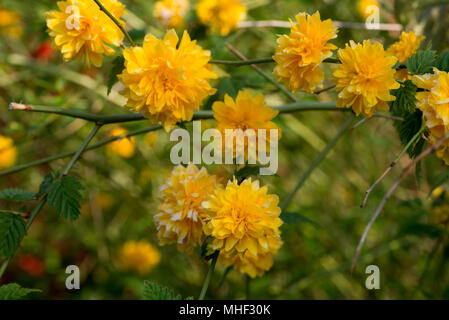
x=365 y=77
x=167 y=81
x=221 y=16
x=81 y=30
x=139 y=257
x=299 y=54
x=8 y=153
x=243 y=219
x=244 y=223
x=10 y=23
x=246 y=112
x=124 y=147
x=181 y=216
x=170 y=13
x=434 y=103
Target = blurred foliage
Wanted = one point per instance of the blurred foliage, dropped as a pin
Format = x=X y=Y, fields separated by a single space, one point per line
x=324 y=222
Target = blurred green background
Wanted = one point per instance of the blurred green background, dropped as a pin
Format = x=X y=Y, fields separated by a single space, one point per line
x=121 y=193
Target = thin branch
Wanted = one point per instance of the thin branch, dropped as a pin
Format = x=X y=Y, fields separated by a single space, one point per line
x=376 y=213
x=338 y=24
x=325 y=89
x=391 y=166
x=317 y=161
x=121 y=27
x=237 y=63
x=261 y=72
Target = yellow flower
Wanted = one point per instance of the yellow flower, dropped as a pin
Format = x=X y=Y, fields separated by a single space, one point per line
x=167 y=82
x=403 y=49
x=81 y=30
x=221 y=16
x=10 y=23
x=123 y=147
x=246 y=112
x=406 y=47
x=299 y=53
x=180 y=217
x=8 y=153
x=364 y=7
x=244 y=223
x=170 y=13
x=434 y=103
x=365 y=77
x=138 y=256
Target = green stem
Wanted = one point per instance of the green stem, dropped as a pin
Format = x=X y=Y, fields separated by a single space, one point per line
x=317 y=161
x=210 y=272
x=237 y=63
x=411 y=142
x=81 y=150
x=121 y=27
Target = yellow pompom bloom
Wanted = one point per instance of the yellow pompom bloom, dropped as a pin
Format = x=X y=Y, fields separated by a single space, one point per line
x=246 y=112
x=10 y=23
x=180 y=218
x=434 y=103
x=244 y=223
x=221 y=16
x=166 y=81
x=82 y=31
x=125 y=146
x=8 y=153
x=299 y=53
x=170 y=13
x=365 y=77
x=139 y=257
x=364 y=7
x=406 y=47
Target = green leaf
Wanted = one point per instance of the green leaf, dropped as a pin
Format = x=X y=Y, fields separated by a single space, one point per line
x=408 y=129
x=294 y=217
x=154 y=291
x=45 y=185
x=16 y=195
x=405 y=99
x=247 y=171
x=13 y=291
x=118 y=64
x=442 y=62
x=64 y=195
x=12 y=230
x=421 y=62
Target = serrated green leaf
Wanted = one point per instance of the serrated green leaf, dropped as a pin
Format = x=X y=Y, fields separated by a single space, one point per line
x=421 y=62
x=118 y=64
x=13 y=291
x=405 y=99
x=45 y=185
x=16 y=194
x=442 y=62
x=408 y=128
x=12 y=230
x=154 y=291
x=64 y=195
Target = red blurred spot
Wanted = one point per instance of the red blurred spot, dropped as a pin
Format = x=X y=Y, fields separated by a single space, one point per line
x=34 y=266
x=44 y=52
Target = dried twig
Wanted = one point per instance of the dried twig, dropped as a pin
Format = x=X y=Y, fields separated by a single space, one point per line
x=376 y=213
